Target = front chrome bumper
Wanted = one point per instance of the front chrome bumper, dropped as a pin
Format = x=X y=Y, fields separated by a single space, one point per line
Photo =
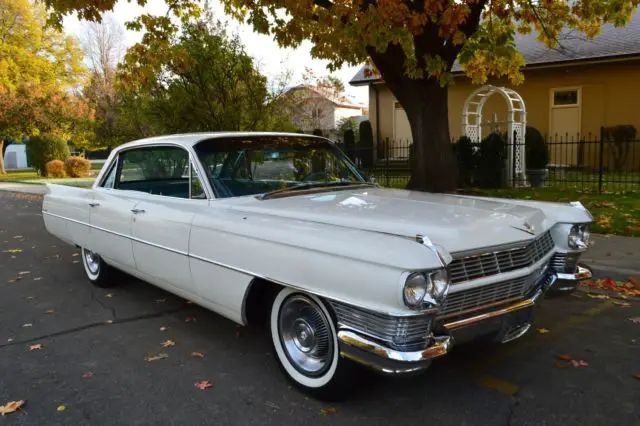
x=567 y=283
x=504 y=324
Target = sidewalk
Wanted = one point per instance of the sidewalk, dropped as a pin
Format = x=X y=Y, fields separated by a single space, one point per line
x=613 y=256
x=23 y=187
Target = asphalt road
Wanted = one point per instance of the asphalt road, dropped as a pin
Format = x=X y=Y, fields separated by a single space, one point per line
x=108 y=334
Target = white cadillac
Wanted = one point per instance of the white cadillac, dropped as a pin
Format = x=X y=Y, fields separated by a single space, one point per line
x=284 y=230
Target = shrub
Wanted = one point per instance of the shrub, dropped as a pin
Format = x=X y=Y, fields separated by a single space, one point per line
x=365 y=144
x=491 y=161
x=44 y=148
x=55 y=168
x=466 y=159
x=77 y=166
x=349 y=139
x=536 y=152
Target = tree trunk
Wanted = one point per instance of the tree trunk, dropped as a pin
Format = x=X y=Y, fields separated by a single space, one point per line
x=2 y=170
x=433 y=165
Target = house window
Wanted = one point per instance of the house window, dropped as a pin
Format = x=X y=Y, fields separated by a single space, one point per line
x=565 y=97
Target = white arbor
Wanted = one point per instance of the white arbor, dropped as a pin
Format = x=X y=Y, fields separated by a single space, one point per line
x=516 y=126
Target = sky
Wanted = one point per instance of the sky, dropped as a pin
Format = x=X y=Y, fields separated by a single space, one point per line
x=262 y=48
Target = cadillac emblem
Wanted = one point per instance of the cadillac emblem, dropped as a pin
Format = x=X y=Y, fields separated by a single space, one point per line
x=529 y=227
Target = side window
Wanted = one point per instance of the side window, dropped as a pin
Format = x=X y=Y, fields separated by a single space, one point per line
x=197 y=191
x=161 y=170
x=110 y=179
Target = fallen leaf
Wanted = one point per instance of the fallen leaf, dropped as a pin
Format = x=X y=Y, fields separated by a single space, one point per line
x=328 y=410
x=164 y=328
x=61 y=408
x=37 y=278
x=598 y=296
x=76 y=261
x=12 y=406
x=565 y=357
x=578 y=363
x=167 y=343
x=35 y=347
x=27 y=325
x=543 y=330
x=271 y=405
x=24 y=272
x=10 y=339
x=109 y=321
x=161 y=300
x=12 y=251
x=622 y=304
x=188 y=302
x=635 y=281
x=637 y=376
x=108 y=295
x=87 y=375
x=190 y=319
x=197 y=354
x=203 y=385
x=18 y=236
x=50 y=311
x=75 y=254
x=635 y=320
x=30 y=297
x=156 y=357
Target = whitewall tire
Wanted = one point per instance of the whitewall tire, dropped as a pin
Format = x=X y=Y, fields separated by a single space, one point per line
x=98 y=272
x=303 y=336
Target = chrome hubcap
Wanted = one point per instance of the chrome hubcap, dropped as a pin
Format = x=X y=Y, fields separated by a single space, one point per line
x=92 y=260
x=305 y=335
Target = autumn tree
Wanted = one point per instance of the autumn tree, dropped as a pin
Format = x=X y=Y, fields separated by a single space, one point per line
x=200 y=79
x=39 y=69
x=413 y=46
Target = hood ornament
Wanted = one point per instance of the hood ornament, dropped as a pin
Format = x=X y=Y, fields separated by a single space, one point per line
x=527 y=227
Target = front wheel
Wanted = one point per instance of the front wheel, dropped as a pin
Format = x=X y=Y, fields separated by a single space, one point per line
x=304 y=340
x=99 y=273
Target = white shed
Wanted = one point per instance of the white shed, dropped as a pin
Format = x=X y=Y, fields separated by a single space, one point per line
x=15 y=157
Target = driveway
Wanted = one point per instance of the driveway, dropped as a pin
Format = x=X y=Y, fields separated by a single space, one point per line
x=91 y=367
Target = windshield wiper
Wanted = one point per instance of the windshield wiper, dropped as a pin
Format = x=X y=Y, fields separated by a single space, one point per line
x=310 y=185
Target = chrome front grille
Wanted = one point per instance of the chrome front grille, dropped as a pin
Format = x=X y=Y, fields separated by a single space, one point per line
x=565 y=262
x=402 y=333
x=477 y=266
x=469 y=301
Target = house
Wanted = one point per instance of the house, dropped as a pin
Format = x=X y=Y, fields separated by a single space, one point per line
x=570 y=92
x=312 y=109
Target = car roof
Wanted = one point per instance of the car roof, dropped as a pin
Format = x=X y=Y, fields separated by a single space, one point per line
x=190 y=139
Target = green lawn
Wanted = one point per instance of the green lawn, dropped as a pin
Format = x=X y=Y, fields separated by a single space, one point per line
x=31 y=177
x=616 y=213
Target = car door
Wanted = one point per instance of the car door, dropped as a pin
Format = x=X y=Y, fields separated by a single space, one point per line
x=111 y=218
x=162 y=221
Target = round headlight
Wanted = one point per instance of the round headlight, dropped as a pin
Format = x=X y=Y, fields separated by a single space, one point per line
x=440 y=282
x=415 y=289
x=579 y=237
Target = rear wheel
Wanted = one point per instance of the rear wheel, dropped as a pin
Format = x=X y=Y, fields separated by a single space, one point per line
x=305 y=343
x=99 y=273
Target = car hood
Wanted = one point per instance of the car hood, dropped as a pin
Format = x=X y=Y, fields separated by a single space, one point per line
x=457 y=223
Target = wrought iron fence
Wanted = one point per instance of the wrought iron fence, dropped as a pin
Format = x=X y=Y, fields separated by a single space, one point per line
x=595 y=163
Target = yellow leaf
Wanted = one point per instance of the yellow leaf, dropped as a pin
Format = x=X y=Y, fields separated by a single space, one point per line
x=12 y=251
x=597 y=296
x=157 y=357
x=11 y=406
x=328 y=410
x=61 y=408
x=167 y=343
x=543 y=330
x=197 y=354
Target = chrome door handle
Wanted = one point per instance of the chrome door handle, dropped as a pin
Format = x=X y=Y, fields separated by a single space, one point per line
x=136 y=211
x=94 y=204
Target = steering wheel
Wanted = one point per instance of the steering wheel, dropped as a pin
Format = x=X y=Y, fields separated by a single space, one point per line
x=315 y=175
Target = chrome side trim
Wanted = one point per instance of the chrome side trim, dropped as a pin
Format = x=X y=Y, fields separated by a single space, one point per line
x=243 y=271
x=386 y=360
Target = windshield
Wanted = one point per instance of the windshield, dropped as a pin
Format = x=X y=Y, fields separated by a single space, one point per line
x=238 y=166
